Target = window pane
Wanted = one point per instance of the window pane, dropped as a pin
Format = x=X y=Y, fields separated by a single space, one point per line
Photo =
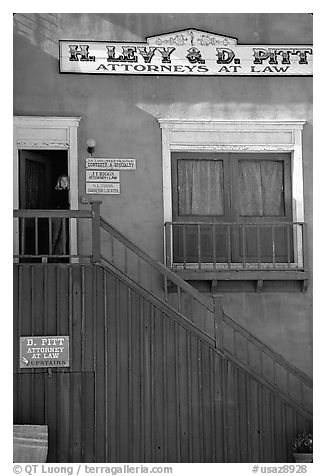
x=261 y=188
x=200 y=187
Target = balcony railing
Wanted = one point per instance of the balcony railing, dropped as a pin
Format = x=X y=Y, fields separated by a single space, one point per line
x=213 y=247
x=193 y=310
x=51 y=235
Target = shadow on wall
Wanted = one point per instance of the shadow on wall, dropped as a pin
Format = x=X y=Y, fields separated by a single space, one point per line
x=169 y=96
x=44 y=30
x=259 y=28
x=39 y=29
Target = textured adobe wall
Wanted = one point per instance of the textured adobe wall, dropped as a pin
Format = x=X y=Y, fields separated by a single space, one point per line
x=120 y=114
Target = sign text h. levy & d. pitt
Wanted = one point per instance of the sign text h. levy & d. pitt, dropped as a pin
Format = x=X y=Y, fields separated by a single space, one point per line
x=187 y=60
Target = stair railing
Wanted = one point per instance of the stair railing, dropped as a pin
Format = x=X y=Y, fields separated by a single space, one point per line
x=230 y=339
x=115 y=251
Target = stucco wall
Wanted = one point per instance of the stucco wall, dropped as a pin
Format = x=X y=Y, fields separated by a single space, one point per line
x=121 y=112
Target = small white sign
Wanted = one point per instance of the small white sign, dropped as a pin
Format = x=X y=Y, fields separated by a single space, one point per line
x=44 y=351
x=103 y=188
x=102 y=176
x=110 y=164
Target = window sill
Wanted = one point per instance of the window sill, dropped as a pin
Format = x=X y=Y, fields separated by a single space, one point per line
x=258 y=277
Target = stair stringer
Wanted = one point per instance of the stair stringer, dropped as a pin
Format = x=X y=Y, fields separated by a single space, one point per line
x=171 y=395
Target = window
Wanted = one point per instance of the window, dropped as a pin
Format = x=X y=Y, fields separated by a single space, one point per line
x=228 y=207
x=251 y=213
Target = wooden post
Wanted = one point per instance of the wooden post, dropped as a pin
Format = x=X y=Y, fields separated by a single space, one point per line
x=218 y=321
x=96 y=231
x=168 y=245
x=305 y=247
x=305 y=255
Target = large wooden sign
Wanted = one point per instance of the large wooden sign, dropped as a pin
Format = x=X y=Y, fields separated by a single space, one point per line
x=186 y=52
x=44 y=351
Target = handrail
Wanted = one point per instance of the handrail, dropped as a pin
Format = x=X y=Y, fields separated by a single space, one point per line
x=157 y=265
x=269 y=351
x=195 y=330
x=212 y=326
x=194 y=293
x=163 y=306
x=224 y=320
x=246 y=223
x=52 y=213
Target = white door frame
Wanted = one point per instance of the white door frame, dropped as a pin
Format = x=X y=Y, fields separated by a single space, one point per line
x=47 y=133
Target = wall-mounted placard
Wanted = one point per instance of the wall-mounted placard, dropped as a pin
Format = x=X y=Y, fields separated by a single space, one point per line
x=44 y=351
x=103 y=188
x=102 y=176
x=110 y=164
x=185 y=52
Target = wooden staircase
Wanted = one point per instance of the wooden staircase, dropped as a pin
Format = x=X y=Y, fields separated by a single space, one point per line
x=207 y=319
x=155 y=376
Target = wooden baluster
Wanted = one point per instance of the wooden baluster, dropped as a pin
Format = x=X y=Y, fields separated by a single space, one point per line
x=23 y=237
x=96 y=231
x=261 y=362
x=301 y=392
x=199 y=246
x=36 y=235
x=138 y=269
x=214 y=246
x=179 y=299
x=288 y=252
x=183 y=227
x=229 y=244
x=288 y=382
x=112 y=249
x=258 y=247
x=126 y=260
x=151 y=275
x=168 y=245
x=64 y=236
x=243 y=246
x=274 y=373
x=303 y=227
x=234 y=341
x=273 y=245
x=205 y=319
x=50 y=235
x=165 y=289
x=218 y=321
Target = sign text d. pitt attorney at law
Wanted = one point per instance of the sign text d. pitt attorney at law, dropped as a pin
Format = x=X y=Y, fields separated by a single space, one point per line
x=44 y=351
x=187 y=52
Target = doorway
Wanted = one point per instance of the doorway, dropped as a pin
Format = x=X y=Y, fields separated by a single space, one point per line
x=39 y=172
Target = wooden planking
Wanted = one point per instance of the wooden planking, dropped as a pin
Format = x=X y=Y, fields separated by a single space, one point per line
x=141 y=388
x=111 y=369
x=56 y=300
x=59 y=405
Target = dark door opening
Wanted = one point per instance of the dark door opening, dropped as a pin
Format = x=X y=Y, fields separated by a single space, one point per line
x=39 y=171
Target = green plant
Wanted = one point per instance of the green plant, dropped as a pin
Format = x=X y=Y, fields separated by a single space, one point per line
x=303 y=443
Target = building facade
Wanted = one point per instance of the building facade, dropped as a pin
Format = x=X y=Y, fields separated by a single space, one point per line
x=178 y=258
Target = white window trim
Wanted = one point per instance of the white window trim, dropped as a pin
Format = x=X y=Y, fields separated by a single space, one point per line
x=41 y=132
x=235 y=136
